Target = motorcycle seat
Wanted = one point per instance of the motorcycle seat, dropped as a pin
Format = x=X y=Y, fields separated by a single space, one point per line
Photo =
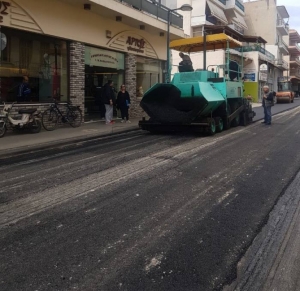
x=27 y=111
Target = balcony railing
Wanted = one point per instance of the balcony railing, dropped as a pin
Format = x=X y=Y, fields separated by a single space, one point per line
x=283 y=26
x=240 y=5
x=282 y=63
x=257 y=48
x=297 y=60
x=237 y=28
x=295 y=73
x=283 y=45
x=156 y=10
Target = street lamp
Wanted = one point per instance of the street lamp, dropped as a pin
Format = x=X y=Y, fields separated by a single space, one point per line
x=184 y=7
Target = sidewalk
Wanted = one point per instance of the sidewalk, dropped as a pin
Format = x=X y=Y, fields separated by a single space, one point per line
x=17 y=141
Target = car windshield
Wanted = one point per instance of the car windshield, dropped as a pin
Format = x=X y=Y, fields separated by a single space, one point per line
x=284 y=86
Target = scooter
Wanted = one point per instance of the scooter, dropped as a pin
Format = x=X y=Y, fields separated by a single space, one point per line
x=30 y=120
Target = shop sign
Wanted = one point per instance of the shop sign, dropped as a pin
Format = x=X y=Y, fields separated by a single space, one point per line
x=263 y=68
x=263 y=77
x=3 y=9
x=250 y=75
x=103 y=58
x=135 y=44
x=131 y=42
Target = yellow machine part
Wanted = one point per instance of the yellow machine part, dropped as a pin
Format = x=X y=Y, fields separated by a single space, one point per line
x=213 y=42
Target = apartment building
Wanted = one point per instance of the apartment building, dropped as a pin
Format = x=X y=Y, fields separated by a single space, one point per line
x=209 y=13
x=265 y=18
x=293 y=74
x=69 y=48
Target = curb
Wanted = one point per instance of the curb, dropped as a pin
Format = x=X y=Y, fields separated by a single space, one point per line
x=278 y=113
x=69 y=141
x=63 y=142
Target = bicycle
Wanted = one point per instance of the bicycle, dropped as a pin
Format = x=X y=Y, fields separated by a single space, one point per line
x=51 y=116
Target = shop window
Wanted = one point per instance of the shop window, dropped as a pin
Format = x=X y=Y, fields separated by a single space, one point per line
x=42 y=59
x=149 y=72
x=100 y=66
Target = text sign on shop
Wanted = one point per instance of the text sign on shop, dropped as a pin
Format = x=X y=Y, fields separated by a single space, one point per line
x=102 y=58
x=133 y=43
x=3 y=9
x=263 y=77
x=249 y=75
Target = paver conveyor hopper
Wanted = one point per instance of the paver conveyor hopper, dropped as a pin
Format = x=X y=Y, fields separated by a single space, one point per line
x=202 y=99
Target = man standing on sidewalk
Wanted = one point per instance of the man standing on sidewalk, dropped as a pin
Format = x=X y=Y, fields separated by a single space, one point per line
x=267 y=103
x=109 y=98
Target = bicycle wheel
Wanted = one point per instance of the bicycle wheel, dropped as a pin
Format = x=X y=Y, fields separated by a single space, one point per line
x=49 y=119
x=74 y=117
x=2 y=128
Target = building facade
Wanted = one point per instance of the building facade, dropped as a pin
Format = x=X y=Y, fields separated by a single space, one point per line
x=69 y=48
x=265 y=18
x=293 y=74
x=245 y=22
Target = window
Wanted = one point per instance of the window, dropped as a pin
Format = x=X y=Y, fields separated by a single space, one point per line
x=42 y=59
x=149 y=72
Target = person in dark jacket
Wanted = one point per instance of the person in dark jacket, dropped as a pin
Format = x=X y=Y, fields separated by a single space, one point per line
x=186 y=64
x=99 y=101
x=108 y=100
x=267 y=103
x=24 y=90
x=123 y=103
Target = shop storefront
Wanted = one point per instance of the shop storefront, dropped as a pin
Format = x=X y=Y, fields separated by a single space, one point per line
x=70 y=59
x=100 y=66
x=42 y=59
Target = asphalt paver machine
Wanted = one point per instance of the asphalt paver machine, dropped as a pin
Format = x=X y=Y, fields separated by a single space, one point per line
x=203 y=100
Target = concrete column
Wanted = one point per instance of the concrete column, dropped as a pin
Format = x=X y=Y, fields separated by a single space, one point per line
x=130 y=82
x=77 y=74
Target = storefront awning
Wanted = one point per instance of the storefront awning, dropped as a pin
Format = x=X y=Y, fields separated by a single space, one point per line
x=240 y=20
x=217 y=12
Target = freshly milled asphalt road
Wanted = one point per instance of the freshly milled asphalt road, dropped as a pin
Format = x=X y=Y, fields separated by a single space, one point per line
x=142 y=212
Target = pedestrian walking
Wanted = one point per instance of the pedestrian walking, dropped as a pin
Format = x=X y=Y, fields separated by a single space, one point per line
x=123 y=103
x=108 y=100
x=267 y=103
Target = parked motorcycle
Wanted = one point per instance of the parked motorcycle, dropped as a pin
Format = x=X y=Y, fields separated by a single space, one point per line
x=30 y=120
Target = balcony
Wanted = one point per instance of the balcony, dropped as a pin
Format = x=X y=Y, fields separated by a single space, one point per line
x=295 y=72
x=257 y=48
x=294 y=49
x=282 y=27
x=283 y=47
x=282 y=64
x=295 y=60
x=155 y=10
x=235 y=4
x=237 y=28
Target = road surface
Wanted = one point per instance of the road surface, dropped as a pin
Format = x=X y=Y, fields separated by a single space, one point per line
x=141 y=211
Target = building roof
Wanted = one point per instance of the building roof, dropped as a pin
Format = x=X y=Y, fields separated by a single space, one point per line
x=283 y=12
x=213 y=42
x=233 y=33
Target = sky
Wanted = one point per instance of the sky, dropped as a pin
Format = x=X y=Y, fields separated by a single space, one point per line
x=293 y=8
